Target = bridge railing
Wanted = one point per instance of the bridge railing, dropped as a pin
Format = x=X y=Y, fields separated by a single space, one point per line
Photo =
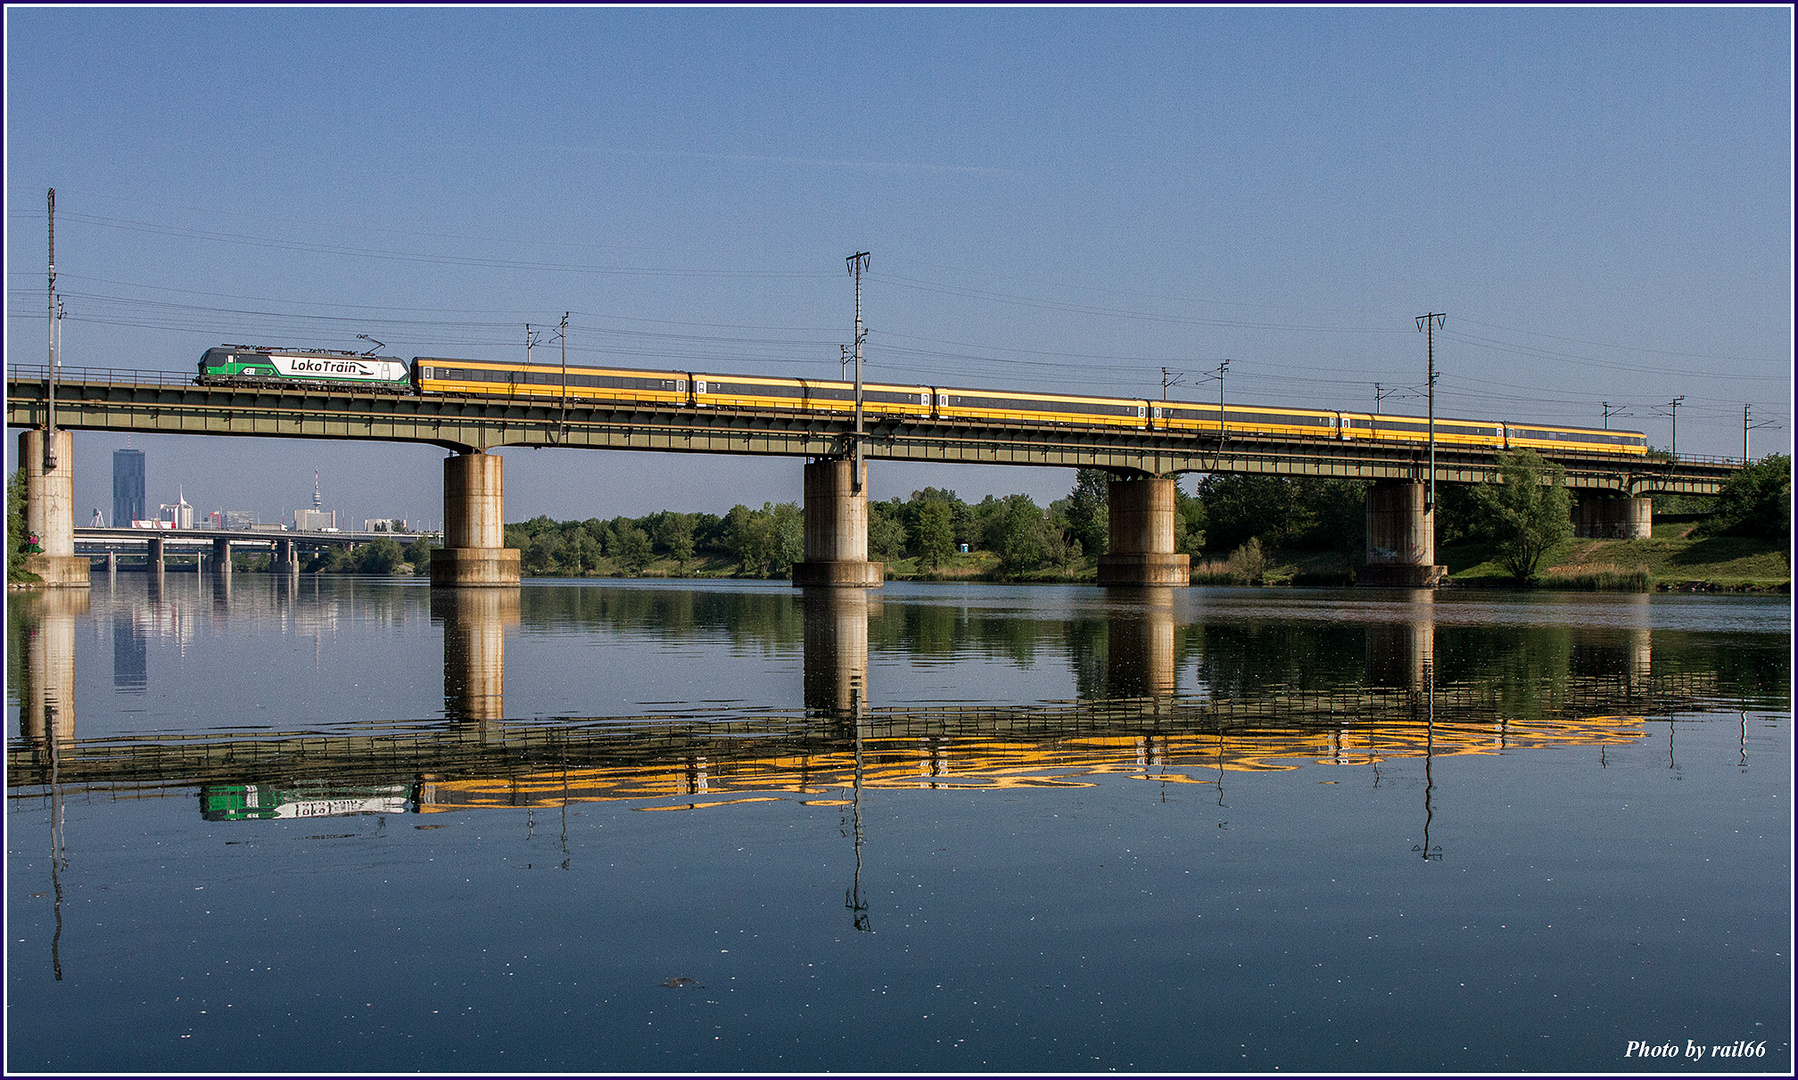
x=127 y=376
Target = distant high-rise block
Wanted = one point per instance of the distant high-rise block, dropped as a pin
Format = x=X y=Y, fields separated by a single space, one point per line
x=127 y=487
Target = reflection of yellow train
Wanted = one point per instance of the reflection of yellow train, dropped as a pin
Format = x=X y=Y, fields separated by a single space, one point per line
x=584 y=385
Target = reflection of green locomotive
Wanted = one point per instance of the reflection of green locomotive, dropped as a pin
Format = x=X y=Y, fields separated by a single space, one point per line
x=254 y=802
x=244 y=365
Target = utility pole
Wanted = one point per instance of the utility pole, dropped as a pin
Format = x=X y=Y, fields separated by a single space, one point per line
x=1746 y=425
x=563 y=334
x=1673 y=411
x=856 y=264
x=1428 y=324
x=1170 y=378
x=1380 y=395
x=1608 y=410
x=50 y=365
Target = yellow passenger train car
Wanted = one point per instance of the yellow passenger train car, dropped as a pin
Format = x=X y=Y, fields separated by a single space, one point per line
x=710 y=390
x=444 y=375
x=810 y=395
x=1028 y=408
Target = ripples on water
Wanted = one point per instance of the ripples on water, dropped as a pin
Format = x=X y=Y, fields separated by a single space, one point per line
x=726 y=826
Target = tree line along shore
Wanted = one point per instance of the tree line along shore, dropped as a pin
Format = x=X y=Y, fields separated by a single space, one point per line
x=1238 y=530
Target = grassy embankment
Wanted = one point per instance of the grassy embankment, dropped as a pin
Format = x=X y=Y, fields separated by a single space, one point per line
x=1672 y=560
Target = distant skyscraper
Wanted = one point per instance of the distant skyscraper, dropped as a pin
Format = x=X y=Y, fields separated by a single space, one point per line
x=127 y=487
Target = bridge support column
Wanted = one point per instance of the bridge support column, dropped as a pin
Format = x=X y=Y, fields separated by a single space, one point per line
x=1401 y=538
x=281 y=558
x=1142 y=535
x=474 y=551
x=1603 y=516
x=836 y=529
x=221 y=556
x=50 y=510
x=153 y=556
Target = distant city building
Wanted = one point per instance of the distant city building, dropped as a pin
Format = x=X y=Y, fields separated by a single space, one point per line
x=315 y=520
x=386 y=525
x=214 y=520
x=240 y=519
x=127 y=487
x=178 y=512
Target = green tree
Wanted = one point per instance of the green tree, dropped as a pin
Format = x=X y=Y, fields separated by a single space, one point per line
x=380 y=557
x=1528 y=514
x=934 y=534
x=1248 y=563
x=1088 y=510
x=15 y=527
x=418 y=553
x=1018 y=533
x=1756 y=501
x=633 y=549
x=886 y=530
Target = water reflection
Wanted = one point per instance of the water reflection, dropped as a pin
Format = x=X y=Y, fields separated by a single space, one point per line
x=1262 y=693
x=474 y=650
x=836 y=650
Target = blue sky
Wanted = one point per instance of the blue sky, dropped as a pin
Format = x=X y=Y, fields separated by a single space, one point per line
x=1599 y=199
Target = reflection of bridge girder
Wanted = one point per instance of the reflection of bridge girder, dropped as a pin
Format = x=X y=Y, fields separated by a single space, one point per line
x=1466 y=719
x=485 y=423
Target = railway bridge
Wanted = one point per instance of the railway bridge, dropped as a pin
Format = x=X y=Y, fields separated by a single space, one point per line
x=1613 y=490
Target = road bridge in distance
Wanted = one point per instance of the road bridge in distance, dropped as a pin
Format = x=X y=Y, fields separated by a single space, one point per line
x=154 y=545
x=1613 y=489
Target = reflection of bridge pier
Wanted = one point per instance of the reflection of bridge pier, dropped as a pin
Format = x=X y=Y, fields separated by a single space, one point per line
x=1402 y=653
x=1140 y=642
x=836 y=650
x=474 y=649
x=47 y=698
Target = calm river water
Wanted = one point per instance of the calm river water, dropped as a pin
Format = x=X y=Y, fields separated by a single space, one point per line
x=264 y=824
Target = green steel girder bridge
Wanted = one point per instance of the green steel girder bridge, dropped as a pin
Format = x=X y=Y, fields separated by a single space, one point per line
x=160 y=402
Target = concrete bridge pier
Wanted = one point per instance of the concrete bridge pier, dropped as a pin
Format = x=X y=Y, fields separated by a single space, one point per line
x=836 y=529
x=50 y=509
x=283 y=559
x=1401 y=537
x=474 y=551
x=1602 y=515
x=1142 y=535
x=221 y=556
x=153 y=551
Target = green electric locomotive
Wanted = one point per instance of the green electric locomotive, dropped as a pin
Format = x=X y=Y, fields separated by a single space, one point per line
x=244 y=365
